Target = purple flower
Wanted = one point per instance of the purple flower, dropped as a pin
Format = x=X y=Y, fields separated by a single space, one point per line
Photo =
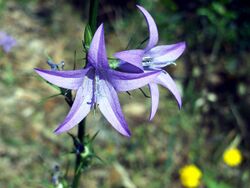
x=96 y=85
x=7 y=41
x=153 y=58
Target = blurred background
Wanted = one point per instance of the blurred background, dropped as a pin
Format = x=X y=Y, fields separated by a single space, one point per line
x=212 y=75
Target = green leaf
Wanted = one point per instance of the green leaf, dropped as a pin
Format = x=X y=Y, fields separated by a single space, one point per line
x=93 y=137
x=88 y=35
x=218 y=8
x=211 y=181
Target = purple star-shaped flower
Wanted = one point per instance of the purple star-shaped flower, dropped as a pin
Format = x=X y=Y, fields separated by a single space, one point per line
x=7 y=41
x=96 y=85
x=153 y=58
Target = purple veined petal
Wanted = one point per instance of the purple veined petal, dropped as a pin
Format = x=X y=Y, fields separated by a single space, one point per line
x=97 y=51
x=133 y=57
x=152 y=29
x=166 y=53
x=64 y=79
x=80 y=108
x=110 y=107
x=129 y=68
x=154 y=93
x=165 y=80
x=127 y=81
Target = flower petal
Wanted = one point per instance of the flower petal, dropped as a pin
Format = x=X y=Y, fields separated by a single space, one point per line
x=165 y=80
x=110 y=107
x=64 y=79
x=152 y=29
x=97 y=51
x=127 y=81
x=127 y=67
x=80 y=108
x=154 y=93
x=134 y=57
x=166 y=53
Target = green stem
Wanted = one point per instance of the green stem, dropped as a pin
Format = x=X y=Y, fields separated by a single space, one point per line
x=80 y=136
x=93 y=12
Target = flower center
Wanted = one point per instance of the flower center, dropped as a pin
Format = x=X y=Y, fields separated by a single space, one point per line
x=147 y=61
x=150 y=63
x=96 y=87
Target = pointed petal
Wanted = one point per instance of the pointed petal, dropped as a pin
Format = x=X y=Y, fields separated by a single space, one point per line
x=133 y=57
x=154 y=93
x=165 y=80
x=110 y=107
x=80 y=108
x=97 y=51
x=127 y=67
x=127 y=81
x=64 y=79
x=152 y=28
x=166 y=53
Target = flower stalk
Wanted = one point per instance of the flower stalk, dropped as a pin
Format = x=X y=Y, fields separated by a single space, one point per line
x=93 y=12
x=78 y=162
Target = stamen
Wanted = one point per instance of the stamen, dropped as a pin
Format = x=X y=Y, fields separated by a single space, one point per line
x=150 y=63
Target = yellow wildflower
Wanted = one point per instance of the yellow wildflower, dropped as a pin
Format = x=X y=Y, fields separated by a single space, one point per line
x=232 y=157
x=190 y=176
